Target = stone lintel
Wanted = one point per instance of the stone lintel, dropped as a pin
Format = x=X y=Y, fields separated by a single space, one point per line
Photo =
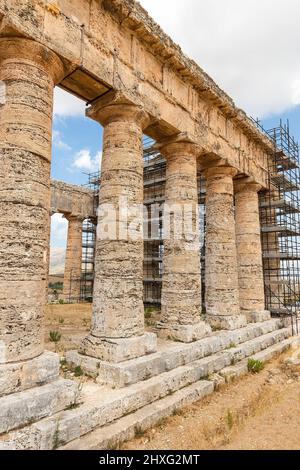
x=184 y=333
x=118 y=349
x=227 y=322
x=19 y=376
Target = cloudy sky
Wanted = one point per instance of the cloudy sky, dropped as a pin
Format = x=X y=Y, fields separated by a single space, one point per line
x=250 y=47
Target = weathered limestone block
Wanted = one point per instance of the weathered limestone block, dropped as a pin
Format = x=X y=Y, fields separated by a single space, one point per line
x=249 y=251
x=71 y=199
x=23 y=408
x=20 y=376
x=221 y=271
x=118 y=311
x=30 y=72
x=172 y=355
x=181 y=284
x=72 y=274
x=118 y=349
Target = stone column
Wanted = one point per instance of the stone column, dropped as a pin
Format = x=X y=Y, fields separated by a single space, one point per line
x=72 y=273
x=221 y=271
x=249 y=252
x=181 y=283
x=29 y=72
x=117 y=331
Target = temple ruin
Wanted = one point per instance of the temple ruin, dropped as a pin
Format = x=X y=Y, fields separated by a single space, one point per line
x=216 y=302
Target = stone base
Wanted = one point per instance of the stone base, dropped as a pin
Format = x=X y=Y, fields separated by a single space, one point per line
x=230 y=322
x=184 y=333
x=258 y=316
x=179 y=381
x=19 y=376
x=118 y=349
x=23 y=408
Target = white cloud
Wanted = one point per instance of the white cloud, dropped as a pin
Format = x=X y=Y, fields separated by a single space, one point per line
x=59 y=230
x=84 y=161
x=67 y=105
x=250 y=47
x=58 y=141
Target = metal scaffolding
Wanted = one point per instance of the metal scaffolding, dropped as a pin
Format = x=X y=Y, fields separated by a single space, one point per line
x=280 y=226
x=89 y=244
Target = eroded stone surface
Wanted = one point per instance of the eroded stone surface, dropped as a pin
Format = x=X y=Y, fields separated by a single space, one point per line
x=118 y=349
x=71 y=199
x=169 y=357
x=221 y=273
x=249 y=251
x=30 y=72
x=227 y=322
x=73 y=424
x=184 y=333
x=23 y=408
x=118 y=310
x=73 y=261
x=181 y=282
x=20 y=376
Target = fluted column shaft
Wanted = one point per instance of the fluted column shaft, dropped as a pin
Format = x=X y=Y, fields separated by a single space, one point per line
x=221 y=270
x=118 y=311
x=73 y=262
x=29 y=71
x=181 y=282
x=249 y=252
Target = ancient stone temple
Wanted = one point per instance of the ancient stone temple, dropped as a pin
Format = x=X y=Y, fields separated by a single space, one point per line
x=136 y=82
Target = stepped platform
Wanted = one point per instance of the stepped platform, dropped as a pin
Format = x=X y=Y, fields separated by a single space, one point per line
x=136 y=394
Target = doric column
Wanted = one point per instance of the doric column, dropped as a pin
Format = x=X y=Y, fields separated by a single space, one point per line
x=72 y=273
x=29 y=72
x=117 y=331
x=221 y=271
x=249 y=252
x=181 y=283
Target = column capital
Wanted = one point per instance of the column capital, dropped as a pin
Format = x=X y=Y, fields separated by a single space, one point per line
x=29 y=51
x=74 y=218
x=246 y=185
x=222 y=170
x=183 y=143
x=116 y=106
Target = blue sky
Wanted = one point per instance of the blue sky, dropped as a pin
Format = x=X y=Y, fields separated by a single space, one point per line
x=237 y=43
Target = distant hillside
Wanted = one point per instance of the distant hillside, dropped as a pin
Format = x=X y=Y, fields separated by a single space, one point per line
x=57 y=260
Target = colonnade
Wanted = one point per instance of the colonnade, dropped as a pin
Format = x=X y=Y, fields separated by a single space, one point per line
x=234 y=280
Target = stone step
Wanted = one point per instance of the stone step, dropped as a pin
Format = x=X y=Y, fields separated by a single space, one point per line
x=102 y=405
x=22 y=408
x=169 y=356
x=126 y=428
x=19 y=376
x=241 y=368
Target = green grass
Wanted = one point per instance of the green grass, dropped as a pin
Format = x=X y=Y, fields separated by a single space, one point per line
x=149 y=311
x=229 y=419
x=78 y=371
x=54 y=336
x=255 y=366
